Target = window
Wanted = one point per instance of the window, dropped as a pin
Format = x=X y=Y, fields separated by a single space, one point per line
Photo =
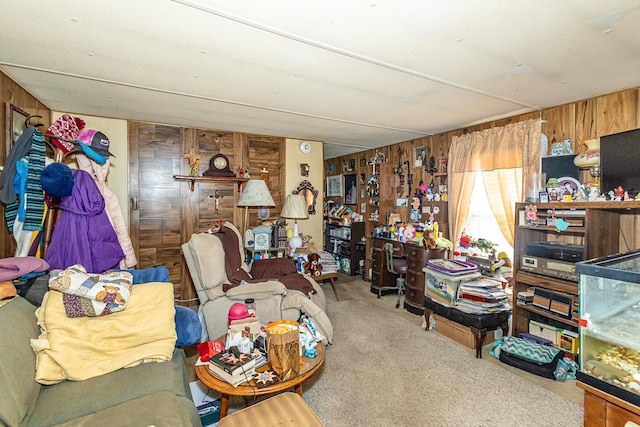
x=480 y=221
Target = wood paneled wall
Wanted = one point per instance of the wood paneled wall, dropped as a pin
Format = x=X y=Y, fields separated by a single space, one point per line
x=578 y=121
x=14 y=94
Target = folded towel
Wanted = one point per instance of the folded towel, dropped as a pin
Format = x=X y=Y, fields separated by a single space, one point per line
x=91 y=294
x=14 y=267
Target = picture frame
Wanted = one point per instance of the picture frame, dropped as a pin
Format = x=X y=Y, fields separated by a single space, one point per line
x=421 y=156
x=352 y=164
x=442 y=165
x=334 y=186
x=543 y=197
x=350 y=190
x=14 y=123
x=363 y=161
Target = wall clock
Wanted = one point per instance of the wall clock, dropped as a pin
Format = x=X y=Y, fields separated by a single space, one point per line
x=219 y=166
x=305 y=147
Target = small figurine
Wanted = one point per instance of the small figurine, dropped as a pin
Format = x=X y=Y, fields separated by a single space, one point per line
x=618 y=194
x=553 y=196
x=531 y=214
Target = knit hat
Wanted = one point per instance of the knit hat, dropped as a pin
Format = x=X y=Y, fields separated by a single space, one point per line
x=57 y=180
x=65 y=127
x=98 y=141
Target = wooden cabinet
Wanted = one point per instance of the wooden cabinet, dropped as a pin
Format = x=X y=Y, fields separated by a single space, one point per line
x=380 y=276
x=345 y=243
x=600 y=228
x=604 y=410
x=417 y=257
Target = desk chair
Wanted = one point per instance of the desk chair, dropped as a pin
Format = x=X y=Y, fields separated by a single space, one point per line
x=396 y=266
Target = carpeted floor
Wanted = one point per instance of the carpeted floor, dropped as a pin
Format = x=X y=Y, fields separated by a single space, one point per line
x=385 y=370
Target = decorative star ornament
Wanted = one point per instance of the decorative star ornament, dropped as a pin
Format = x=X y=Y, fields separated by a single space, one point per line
x=192 y=156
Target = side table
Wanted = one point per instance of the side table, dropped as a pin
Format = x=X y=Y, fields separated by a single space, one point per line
x=249 y=389
x=332 y=276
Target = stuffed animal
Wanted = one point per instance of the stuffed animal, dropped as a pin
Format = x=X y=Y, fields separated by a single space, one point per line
x=313 y=267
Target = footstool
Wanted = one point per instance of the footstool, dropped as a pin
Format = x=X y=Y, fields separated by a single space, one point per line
x=478 y=324
x=283 y=410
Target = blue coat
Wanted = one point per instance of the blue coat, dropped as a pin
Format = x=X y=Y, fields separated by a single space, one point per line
x=83 y=233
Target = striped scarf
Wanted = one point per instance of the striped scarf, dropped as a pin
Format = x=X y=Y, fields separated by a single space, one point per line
x=34 y=200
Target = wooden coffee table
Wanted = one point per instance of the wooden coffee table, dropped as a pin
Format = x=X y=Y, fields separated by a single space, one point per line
x=308 y=368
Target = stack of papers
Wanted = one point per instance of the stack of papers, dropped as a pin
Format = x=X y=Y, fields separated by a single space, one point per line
x=482 y=296
x=329 y=264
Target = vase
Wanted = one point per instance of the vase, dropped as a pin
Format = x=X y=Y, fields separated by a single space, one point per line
x=591 y=157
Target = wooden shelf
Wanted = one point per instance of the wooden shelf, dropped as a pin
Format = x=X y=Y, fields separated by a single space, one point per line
x=221 y=179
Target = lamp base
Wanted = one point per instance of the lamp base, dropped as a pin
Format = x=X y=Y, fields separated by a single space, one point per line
x=295 y=241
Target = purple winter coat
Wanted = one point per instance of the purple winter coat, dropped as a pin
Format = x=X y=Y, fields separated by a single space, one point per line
x=83 y=233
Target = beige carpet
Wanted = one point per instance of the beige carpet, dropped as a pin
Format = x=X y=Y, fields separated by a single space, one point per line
x=384 y=370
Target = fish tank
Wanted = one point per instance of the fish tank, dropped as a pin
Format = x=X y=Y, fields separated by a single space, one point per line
x=609 y=332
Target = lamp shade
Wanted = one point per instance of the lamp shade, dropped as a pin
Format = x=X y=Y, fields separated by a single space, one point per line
x=295 y=207
x=256 y=193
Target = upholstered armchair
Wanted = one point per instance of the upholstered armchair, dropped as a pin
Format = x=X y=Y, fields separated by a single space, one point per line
x=216 y=262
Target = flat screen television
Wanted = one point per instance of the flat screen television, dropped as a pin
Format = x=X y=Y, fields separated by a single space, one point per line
x=620 y=162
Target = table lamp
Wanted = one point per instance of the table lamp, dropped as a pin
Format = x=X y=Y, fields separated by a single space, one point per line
x=295 y=207
x=255 y=194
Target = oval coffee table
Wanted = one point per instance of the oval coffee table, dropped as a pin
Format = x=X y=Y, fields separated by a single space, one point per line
x=308 y=368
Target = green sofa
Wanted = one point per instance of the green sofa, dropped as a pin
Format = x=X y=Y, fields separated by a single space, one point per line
x=148 y=394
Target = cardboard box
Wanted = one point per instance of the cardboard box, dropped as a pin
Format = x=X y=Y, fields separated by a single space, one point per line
x=568 y=341
x=207 y=402
x=459 y=333
x=543 y=330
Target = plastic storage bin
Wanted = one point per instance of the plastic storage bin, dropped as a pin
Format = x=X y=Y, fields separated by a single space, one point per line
x=609 y=333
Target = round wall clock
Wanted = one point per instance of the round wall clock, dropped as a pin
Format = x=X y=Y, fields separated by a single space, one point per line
x=219 y=166
x=305 y=147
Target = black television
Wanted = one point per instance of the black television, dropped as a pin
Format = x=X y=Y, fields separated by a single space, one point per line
x=620 y=162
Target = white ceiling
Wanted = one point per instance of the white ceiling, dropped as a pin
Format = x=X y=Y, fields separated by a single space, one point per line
x=355 y=74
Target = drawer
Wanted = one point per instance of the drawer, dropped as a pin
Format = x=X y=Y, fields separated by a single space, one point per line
x=414 y=295
x=415 y=280
x=415 y=253
x=415 y=264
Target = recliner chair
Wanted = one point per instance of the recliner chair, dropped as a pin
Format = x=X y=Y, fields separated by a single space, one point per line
x=396 y=266
x=205 y=257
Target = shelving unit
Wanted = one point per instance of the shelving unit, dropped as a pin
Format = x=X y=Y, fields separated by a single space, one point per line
x=597 y=226
x=193 y=179
x=342 y=241
x=265 y=253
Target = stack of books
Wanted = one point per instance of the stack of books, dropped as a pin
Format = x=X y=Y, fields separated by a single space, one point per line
x=232 y=366
x=482 y=296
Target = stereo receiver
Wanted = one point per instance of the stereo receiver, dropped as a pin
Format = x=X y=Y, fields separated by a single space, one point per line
x=549 y=267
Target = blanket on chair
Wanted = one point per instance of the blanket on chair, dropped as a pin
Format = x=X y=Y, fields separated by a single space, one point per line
x=281 y=270
x=85 y=347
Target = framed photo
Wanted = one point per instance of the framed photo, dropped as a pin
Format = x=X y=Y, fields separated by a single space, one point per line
x=334 y=186
x=543 y=197
x=15 y=123
x=350 y=190
x=420 y=157
x=352 y=164
x=363 y=161
x=442 y=165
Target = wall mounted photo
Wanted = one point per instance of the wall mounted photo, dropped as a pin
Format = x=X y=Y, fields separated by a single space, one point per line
x=350 y=190
x=334 y=186
x=420 y=157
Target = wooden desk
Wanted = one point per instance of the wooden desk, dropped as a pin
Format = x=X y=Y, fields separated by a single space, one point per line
x=332 y=276
x=308 y=367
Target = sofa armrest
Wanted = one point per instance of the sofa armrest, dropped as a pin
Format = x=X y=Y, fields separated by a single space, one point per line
x=257 y=291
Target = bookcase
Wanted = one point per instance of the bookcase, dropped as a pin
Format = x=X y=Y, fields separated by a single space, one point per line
x=600 y=228
x=342 y=241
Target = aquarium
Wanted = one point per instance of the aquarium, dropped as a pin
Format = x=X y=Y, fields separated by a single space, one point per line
x=609 y=333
